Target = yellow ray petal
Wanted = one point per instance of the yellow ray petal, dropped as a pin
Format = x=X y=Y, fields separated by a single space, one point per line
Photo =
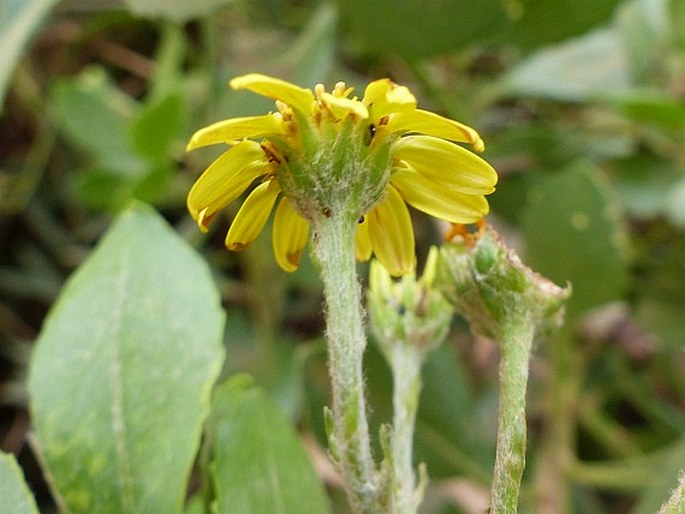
x=391 y=234
x=290 y=235
x=434 y=199
x=237 y=128
x=445 y=162
x=431 y=124
x=252 y=216
x=297 y=97
x=340 y=106
x=383 y=97
x=225 y=180
x=362 y=243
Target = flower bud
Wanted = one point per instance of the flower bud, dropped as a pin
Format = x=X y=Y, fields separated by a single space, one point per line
x=408 y=311
x=487 y=283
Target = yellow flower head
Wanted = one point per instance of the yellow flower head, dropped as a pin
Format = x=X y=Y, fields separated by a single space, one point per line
x=323 y=154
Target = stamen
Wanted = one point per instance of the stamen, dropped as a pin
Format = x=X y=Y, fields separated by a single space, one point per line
x=339 y=90
x=273 y=155
x=470 y=233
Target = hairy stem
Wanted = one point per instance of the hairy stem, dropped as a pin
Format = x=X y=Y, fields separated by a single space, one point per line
x=405 y=362
x=516 y=341
x=349 y=437
x=676 y=502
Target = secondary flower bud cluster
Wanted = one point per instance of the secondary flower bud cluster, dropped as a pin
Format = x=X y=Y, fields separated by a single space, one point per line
x=409 y=311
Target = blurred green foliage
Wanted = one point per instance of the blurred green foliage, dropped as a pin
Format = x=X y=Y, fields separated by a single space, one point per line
x=582 y=109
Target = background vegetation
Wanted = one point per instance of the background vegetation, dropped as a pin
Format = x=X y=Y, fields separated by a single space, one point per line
x=582 y=107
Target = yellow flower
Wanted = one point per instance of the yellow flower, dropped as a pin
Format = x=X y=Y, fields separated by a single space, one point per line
x=328 y=153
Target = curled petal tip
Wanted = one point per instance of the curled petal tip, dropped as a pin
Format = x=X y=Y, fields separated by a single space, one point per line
x=237 y=246
x=192 y=144
x=293 y=259
x=243 y=81
x=203 y=220
x=297 y=97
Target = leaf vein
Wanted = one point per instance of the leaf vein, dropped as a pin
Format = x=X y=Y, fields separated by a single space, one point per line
x=124 y=475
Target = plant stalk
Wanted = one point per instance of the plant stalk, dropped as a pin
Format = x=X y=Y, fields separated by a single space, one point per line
x=676 y=502
x=405 y=362
x=349 y=434
x=516 y=342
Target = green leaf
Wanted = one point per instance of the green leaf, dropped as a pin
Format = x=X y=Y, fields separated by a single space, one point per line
x=647 y=31
x=573 y=233
x=101 y=189
x=195 y=505
x=644 y=183
x=15 y=497
x=593 y=65
x=676 y=204
x=176 y=10
x=121 y=375
x=654 y=108
x=168 y=76
x=414 y=28
x=19 y=21
x=156 y=127
x=95 y=114
x=257 y=461
x=677 y=16
x=128 y=145
x=663 y=316
x=660 y=290
x=312 y=54
x=535 y=23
